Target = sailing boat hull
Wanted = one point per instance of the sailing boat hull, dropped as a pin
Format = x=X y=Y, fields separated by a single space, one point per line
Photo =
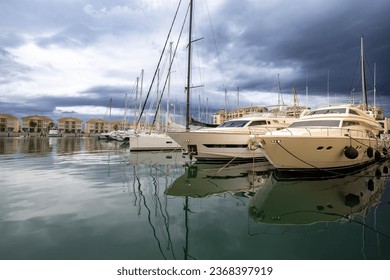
x=152 y=142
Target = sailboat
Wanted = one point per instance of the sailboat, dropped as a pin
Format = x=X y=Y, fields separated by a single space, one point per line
x=155 y=140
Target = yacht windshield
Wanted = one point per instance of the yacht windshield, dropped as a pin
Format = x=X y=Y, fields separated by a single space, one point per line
x=255 y=123
x=328 y=111
x=317 y=123
x=233 y=124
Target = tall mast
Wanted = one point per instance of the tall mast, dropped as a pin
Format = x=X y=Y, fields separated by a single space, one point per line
x=307 y=93
x=125 y=115
x=207 y=109
x=328 y=89
x=169 y=86
x=364 y=92
x=238 y=97
x=135 y=105
x=189 y=70
x=225 y=104
x=295 y=100
x=158 y=94
x=109 y=118
x=140 y=101
x=280 y=97
x=375 y=111
x=279 y=91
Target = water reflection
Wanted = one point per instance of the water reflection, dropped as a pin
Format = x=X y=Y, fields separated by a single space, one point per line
x=306 y=202
x=205 y=191
x=97 y=200
x=59 y=145
x=146 y=177
x=201 y=180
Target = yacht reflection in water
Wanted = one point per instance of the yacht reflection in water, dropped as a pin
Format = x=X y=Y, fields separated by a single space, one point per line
x=202 y=180
x=306 y=202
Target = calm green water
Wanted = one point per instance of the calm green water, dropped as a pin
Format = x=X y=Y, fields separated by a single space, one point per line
x=85 y=199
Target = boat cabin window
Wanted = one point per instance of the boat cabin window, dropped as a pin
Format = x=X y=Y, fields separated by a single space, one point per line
x=328 y=111
x=317 y=123
x=353 y=112
x=262 y=122
x=234 y=124
x=349 y=123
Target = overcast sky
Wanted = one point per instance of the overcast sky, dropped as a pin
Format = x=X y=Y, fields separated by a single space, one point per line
x=70 y=57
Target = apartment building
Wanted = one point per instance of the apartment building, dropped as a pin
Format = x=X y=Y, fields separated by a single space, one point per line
x=36 y=124
x=70 y=125
x=8 y=123
x=222 y=116
x=97 y=126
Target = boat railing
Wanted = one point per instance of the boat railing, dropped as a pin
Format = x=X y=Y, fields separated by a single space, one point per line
x=325 y=131
x=264 y=129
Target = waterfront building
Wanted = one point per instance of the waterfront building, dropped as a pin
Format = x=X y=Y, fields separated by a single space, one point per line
x=222 y=115
x=36 y=123
x=8 y=123
x=70 y=125
x=97 y=126
x=120 y=125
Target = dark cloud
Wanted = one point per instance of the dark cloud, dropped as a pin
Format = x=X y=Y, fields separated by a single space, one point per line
x=311 y=37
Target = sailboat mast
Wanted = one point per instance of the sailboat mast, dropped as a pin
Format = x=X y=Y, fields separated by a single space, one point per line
x=328 y=89
x=295 y=100
x=307 y=92
x=375 y=111
x=169 y=86
x=364 y=92
x=140 y=101
x=238 y=97
x=135 y=104
x=189 y=69
x=279 y=91
x=109 y=118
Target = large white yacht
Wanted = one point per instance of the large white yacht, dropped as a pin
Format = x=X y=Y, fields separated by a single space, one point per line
x=328 y=138
x=229 y=141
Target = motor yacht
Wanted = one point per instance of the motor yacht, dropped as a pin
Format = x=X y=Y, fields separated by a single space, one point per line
x=229 y=141
x=328 y=138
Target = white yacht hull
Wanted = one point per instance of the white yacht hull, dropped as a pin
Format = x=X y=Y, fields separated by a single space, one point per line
x=316 y=153
x=152 y=142
x=217 y=145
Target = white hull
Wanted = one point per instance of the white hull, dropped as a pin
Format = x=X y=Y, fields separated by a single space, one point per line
x=318 y=152
x=152 y=142
x=53 y=133
x=217 y=145
x=104 y=136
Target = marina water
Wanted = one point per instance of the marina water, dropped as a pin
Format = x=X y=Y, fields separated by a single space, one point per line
x=80 y=198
